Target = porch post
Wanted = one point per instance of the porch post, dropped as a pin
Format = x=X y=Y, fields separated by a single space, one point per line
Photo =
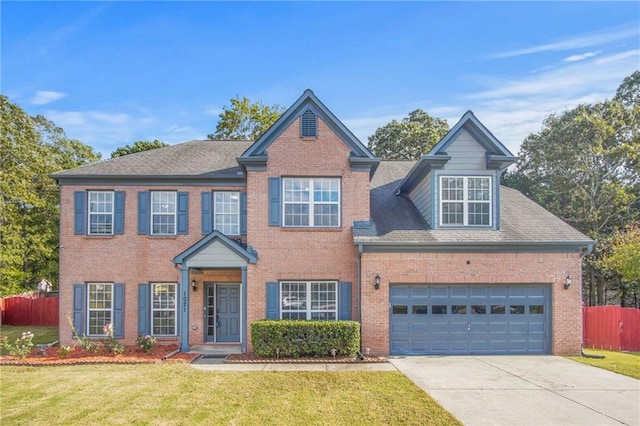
x=243 y=310
x=184 y=309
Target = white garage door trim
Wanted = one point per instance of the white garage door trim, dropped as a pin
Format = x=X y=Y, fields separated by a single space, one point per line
x=469 y=319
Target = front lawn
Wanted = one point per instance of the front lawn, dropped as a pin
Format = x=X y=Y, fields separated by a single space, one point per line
x=179 y=394
x=627 y=363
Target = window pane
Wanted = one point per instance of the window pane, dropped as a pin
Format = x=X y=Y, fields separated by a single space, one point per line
x=458 y=309
x=399 y=310
x=99 y=304
x=227 y=212
x=478 y=309
x=311 y=202
x=453 y=213
x=478 y=213
x=163 y=209
x=164 y=309
x=439 y=309
x=100 y=212
x=536 y=309
x=497 y=309
x=315 y=300
x=419 y=309
x=517 y=309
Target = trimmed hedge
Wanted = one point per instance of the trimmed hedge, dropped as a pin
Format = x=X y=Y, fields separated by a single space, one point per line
x=302 y=338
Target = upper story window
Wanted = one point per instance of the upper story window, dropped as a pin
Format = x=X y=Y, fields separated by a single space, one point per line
x=163 y=213
x=465 y=201
x=100 y=213
x=311 y=202
x=308 y=124
x=227 y=212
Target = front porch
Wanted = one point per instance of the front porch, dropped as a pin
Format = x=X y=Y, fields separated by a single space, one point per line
x=213 y=295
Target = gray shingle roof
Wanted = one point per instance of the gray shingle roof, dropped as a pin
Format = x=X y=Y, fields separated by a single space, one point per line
x=200 y=159
x=397 y=221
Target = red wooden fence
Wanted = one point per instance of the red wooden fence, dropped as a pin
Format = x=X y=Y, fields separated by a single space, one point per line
x=611 y=327
x=26 y=311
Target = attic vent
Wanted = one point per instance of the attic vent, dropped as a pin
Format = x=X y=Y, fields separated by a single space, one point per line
x=308 y=124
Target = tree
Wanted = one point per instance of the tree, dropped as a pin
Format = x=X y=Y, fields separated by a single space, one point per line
x=583 y=167
x=409 y=139
x=30 y=149
x=622 y=256
x=245 y=120
x=138 y=146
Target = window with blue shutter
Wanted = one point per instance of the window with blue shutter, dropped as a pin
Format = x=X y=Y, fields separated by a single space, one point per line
x=118 y=311
x=274 y=201
x=207 y=218
x=118 y=221
x=308 y=124
x=78 y=309
x=344 y=301
x=143 y=212
x=243 y=213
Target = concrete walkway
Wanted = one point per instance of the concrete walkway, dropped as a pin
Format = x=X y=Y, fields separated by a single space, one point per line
x=219 y=365
x=525 y=390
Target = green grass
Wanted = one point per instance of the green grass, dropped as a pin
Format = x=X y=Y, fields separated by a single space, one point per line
x=42 y=335
x=177 y=394
x=627 y=363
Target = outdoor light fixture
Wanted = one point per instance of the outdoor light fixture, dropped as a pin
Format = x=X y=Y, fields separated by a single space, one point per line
x=194 y=285
x=377 y=284
x=567 y=282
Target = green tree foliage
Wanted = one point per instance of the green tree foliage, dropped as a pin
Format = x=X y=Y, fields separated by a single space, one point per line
x=583 y=166
x=30 y=149
x=138 y=146
x=622 y=256
x=245 y=120
x=408 y=139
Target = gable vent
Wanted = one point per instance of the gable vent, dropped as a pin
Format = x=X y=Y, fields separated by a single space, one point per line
x=308 y=124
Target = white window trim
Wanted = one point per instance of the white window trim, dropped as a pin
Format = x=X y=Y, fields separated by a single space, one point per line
x=308 y=311
x=311 y=203
x=174 y=310
x=465 y=201
x=215 y=213
x=89 y=309
x=175 y=213
x=90 y=213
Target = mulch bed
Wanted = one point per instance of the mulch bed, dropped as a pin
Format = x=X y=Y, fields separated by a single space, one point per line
x=252 y=358
x=131 y=355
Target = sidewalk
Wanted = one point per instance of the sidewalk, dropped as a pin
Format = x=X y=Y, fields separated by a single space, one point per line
x=217 y=364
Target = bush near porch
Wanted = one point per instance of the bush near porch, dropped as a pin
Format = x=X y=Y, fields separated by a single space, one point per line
x=302 y=338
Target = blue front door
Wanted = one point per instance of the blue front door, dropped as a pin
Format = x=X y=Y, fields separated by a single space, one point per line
x=222 y=307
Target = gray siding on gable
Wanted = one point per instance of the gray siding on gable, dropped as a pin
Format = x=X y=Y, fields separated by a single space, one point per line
x=467 y=156
x=422 y=198
x=216 y=255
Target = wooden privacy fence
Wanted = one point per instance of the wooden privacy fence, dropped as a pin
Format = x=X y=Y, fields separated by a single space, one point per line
x=611 y=327
x=26 y=311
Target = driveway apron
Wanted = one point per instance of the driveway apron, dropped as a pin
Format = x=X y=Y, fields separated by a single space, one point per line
x=525 y=390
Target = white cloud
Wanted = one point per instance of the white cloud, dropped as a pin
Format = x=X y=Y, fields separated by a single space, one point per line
x=575 y=58
x=213 y=111
x=578 y=42
x=43 y=97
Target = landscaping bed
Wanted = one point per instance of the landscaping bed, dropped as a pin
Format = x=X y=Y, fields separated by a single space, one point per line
x=131 y=355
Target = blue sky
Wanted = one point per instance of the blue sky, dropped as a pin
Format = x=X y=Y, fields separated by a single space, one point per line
x=111 y=73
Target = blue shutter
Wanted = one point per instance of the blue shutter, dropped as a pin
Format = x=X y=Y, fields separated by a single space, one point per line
x=143 y=212
x=79 y=212
x=344 y=301
x=274 y=201
x=144 y=309
x=273 y=300
x=118 y=311
x=183 y=213
x=308 y=124
x=243 y=213
x=118 y=210
x=78 y=308
x=207 y=219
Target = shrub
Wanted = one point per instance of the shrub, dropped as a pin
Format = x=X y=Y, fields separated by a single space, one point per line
x=147 y=343
x=22 y=346
x=64 y=351
x=110 y=343
x=301 y=338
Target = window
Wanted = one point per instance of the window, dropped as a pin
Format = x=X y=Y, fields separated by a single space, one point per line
x=311 y=202
x=227 y=212
x=308 y=125
x=465 y=201
x=100 y=307
x=163 y=308
x=163 y=213
x=311 y=300
x=100 y=212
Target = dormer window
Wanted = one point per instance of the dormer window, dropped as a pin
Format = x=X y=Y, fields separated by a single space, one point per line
x=465 y=200
x=308 y=124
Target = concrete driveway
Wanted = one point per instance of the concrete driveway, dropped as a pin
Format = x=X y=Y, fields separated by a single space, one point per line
x=525 y=390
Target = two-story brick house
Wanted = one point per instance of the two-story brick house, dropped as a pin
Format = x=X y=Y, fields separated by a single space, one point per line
x=193 y=242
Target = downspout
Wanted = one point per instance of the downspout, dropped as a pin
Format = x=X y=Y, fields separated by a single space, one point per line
x=359 y=284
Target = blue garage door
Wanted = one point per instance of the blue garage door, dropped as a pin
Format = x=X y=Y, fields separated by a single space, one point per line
x=478 y=319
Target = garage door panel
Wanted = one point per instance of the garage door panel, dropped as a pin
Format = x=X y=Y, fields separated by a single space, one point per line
x=463 y=319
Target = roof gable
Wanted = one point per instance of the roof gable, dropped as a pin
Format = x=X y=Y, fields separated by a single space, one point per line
x=248 y=253
x=497 y=156
x=256 y=154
